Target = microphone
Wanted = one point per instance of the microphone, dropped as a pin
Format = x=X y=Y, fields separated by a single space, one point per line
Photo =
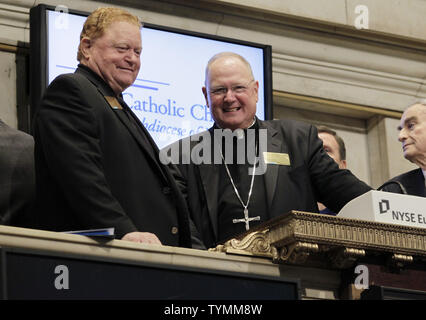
x=404 y=191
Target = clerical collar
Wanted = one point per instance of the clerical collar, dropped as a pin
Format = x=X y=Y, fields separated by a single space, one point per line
x=254 y=125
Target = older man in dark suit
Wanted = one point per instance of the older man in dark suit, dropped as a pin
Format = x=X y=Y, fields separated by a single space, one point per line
x=17 y=185
x=96 y=164
x=412 y=135
x=228 y=198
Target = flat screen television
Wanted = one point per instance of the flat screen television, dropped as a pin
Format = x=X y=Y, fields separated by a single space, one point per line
x=167 y=95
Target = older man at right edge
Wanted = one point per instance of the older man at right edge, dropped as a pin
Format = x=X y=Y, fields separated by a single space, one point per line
x=412 y=135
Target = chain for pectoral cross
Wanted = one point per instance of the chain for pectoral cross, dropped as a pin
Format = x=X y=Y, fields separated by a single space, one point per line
x=246 y=218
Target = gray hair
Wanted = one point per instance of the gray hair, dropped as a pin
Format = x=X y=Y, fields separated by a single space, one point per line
x=227 y=54
x=421 y=102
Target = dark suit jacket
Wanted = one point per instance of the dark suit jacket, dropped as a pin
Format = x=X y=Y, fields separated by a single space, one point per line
x=312 y=176
x=17 y=185
x=413 y=181
x=97 y=166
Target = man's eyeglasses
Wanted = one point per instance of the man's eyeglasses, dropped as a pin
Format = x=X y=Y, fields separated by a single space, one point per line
x=236 y=89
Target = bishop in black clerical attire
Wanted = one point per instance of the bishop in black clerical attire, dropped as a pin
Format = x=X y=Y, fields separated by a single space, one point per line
x=296 y=171
x=242 y=200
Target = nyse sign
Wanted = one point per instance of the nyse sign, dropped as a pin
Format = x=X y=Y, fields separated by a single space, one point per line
x=386 y=207
x=393 y=209
x=402 y=216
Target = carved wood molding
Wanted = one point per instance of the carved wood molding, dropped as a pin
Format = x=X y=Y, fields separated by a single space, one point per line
x=254 y=244
x=300 y=236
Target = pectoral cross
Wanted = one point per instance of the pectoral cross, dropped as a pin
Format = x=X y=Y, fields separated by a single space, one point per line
x=246 y=219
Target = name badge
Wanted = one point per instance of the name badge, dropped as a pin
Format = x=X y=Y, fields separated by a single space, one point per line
x=113 y=102
x=281 y=159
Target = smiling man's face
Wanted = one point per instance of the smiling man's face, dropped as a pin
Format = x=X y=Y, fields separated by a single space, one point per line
x=115 y=56
x=231 y=93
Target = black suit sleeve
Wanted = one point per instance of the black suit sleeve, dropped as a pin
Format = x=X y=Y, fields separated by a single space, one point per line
x=69 y=134
x=181 y=183
x=17 y=179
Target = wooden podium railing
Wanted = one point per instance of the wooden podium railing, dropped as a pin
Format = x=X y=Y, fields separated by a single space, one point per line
x=298 y=236
x=298 y=255
x=395 y=255
x=37 y=264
